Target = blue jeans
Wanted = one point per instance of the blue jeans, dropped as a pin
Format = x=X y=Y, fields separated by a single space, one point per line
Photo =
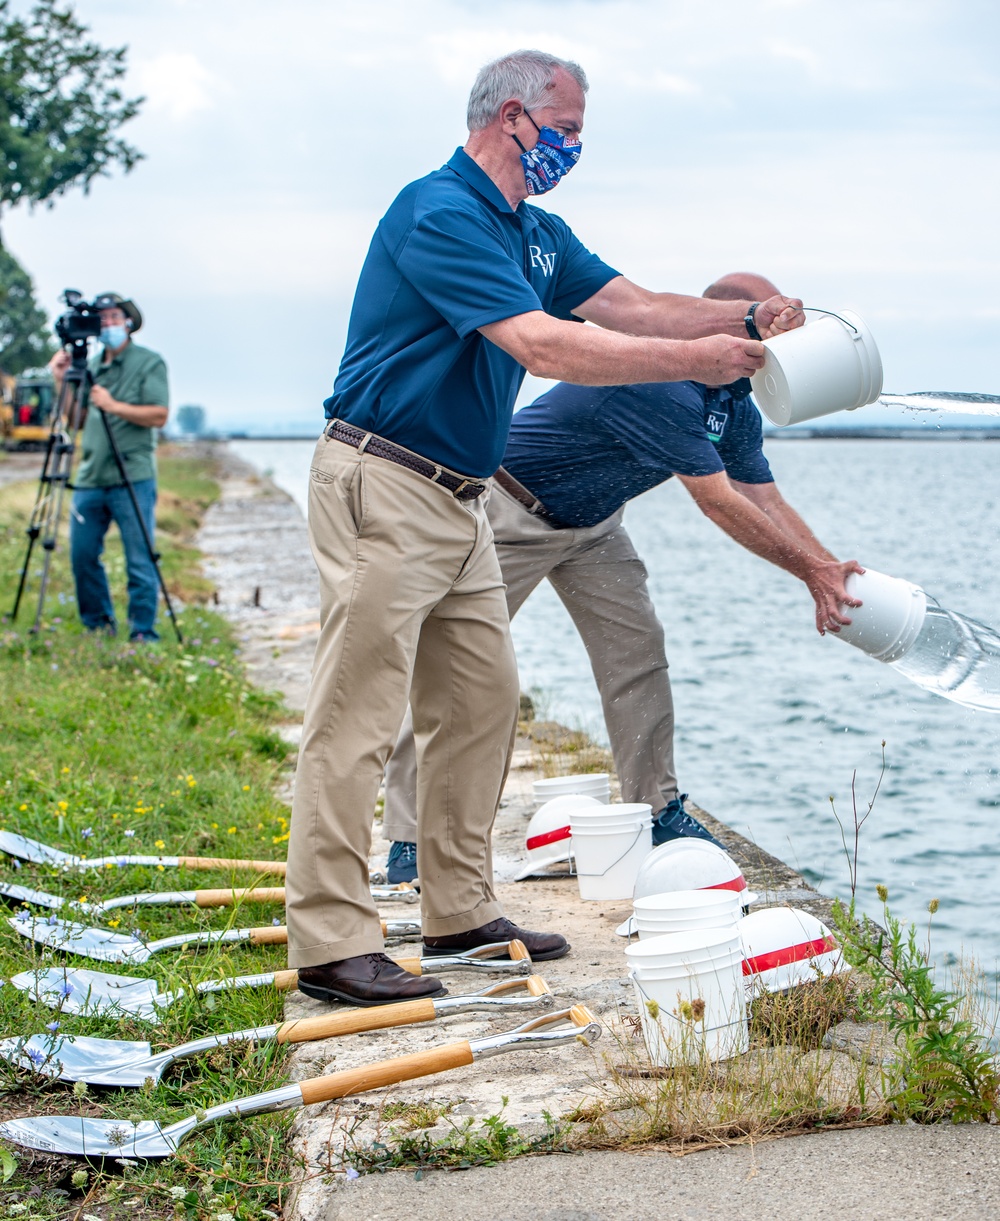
x=92 y=512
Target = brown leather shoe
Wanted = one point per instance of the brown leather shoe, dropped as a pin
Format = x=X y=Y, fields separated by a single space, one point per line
x=368 y=979
x=540 y=946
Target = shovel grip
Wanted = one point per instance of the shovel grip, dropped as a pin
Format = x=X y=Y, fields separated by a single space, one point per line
x=226 y=898
x=410 y=964
x=386 y=1072
x=284 y=981
x=270 y=934
x=209 y=862
x=380 y=1017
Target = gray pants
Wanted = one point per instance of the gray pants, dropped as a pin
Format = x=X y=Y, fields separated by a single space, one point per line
x=602 y=583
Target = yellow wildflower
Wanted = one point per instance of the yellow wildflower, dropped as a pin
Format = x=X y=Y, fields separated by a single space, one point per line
x=230 y=830
x=160 y=868
x=159 y=844
x=279 y=839
x=22 y=806
x=114 y=923
x=65 y=771
x=246 y=788
x=63 y=805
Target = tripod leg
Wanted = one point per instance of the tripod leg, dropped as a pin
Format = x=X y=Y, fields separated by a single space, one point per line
x=152 y=552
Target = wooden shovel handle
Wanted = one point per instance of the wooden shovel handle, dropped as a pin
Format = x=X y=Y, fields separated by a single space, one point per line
x=380 y=1017
x=518 y=951
x=386 y=1072
x=284 y=981
x=537 y=986
x=410 y=964
x=251 y=894
x=206 y=862
x=270 y=934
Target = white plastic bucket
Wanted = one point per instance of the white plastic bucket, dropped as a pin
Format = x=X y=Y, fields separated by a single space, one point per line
x=587 y=784
x=828 y=365
x=689 y=989
x=609 y=846
x=683 y=911
x=889 y=619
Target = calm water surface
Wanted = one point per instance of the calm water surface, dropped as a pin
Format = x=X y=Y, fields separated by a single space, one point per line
x=772 y=719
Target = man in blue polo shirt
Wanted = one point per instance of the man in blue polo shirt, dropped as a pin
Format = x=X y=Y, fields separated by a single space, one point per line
x=463 y=288
x=574 y=458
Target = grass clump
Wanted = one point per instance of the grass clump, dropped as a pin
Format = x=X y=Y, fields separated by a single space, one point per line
x=469 y=1143
x=111 y=748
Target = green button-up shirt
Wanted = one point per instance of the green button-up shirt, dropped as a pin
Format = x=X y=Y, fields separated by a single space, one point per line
x=138 y=376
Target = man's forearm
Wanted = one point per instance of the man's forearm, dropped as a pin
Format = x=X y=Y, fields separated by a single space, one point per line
x=145 y=415
x=592 y=356
x=675 y=315
x=767 y=498
x=754 y=530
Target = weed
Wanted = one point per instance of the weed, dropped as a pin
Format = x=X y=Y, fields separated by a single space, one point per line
x=469 y=1143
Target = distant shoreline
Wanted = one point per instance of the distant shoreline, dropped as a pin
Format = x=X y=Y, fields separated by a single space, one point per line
x=775 y=434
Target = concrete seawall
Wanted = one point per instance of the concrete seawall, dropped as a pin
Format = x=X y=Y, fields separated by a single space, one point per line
x=257 y=553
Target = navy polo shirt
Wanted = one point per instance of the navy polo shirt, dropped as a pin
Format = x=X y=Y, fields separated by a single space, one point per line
x=584 y=451
x=449 y=256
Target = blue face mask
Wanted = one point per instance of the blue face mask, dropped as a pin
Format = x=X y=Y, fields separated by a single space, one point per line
x=114 y=336
x=551 y=159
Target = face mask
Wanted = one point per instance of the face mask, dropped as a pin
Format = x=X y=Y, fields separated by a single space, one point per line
x=113 y=336
x=551 y=159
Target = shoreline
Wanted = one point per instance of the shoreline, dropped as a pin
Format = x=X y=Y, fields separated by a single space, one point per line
x=271 y=593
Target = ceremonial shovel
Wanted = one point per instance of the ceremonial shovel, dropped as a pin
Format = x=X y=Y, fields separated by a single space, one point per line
x=122 y=1139
x=173 y=898
x=108 y=946
x=79 y=990
x=42 y=854
x=115 y=1062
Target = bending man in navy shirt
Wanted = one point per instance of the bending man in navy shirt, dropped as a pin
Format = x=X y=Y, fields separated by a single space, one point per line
x=464 y=287
x=574 y=458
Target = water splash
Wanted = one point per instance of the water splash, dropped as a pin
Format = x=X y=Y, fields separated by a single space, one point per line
x=958 y=402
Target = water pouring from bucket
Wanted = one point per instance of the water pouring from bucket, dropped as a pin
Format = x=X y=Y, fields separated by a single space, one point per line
x=938 y=649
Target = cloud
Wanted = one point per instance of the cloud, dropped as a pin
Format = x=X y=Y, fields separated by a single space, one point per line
x=176 y=84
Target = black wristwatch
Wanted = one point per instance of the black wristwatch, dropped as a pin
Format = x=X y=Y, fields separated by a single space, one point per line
x=749 y=323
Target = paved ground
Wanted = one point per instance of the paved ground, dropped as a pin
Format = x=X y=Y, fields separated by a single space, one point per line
x=872 y=1174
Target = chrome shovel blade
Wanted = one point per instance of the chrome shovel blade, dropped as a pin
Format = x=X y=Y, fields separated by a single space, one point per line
x=31 y=850
x=79 y=1058
x=77 y=990
x=73 y=938
x=93 y=1138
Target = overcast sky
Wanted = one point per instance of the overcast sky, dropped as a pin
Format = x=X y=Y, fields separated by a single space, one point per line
x=847 y=150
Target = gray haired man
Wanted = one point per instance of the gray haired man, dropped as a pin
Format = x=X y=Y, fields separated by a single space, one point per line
x=464 y=287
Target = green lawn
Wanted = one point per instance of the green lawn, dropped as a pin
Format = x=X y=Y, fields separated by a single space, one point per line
x=109 y=748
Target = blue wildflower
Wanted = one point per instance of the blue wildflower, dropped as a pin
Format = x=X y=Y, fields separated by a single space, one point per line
x=52 y=1026
x=87 y=832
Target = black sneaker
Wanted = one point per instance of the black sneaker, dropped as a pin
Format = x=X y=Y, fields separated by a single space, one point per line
x=674 y=822
x=402 y=863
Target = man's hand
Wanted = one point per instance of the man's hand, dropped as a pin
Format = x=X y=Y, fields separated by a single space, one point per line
x=721 y=359
x=826 y=583
x=100 y=397
x=778 y=314
x=59 y=364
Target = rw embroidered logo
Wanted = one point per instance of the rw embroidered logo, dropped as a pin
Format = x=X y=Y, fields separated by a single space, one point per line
x=547 y=262
x=715 y=423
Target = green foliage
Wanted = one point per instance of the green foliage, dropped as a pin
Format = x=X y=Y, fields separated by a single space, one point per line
x=25 y=339
x=190 y=419
x=62 y=105
x=469 y=1143
x=945 y=1070
x=98 y=756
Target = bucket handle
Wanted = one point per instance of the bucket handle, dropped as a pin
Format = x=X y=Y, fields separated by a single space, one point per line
x=814 y=309
x=581 y=874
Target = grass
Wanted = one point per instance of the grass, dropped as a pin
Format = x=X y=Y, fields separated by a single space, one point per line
x=108 y=748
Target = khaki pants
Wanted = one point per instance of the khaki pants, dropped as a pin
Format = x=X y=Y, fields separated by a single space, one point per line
x=602 y=583
x=412 y=603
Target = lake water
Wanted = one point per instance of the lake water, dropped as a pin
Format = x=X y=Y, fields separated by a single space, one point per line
x=771 y=719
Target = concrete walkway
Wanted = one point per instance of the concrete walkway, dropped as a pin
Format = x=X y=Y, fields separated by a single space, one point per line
x=869 y=1174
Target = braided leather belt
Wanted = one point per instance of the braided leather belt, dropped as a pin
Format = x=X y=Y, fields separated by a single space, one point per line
x=522 y=495
x=368 y=443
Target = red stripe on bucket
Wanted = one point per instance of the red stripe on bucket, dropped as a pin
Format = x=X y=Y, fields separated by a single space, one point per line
x=548 y=837
x=739 y=883
x=790 y=953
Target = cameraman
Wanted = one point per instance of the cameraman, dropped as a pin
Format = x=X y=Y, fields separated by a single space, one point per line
x=129 y=384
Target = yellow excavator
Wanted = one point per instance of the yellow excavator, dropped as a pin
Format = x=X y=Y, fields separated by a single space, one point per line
x=26 y=404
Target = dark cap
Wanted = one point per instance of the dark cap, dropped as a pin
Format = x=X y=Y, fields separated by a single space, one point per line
x=117 y=301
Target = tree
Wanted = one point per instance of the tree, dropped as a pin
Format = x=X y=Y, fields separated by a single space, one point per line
x=60 y=106
x=191 y=419
x=25 y=339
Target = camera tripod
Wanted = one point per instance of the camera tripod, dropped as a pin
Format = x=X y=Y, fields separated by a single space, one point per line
x=54 y=480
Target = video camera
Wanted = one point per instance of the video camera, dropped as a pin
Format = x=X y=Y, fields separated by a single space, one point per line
x=81 y=321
